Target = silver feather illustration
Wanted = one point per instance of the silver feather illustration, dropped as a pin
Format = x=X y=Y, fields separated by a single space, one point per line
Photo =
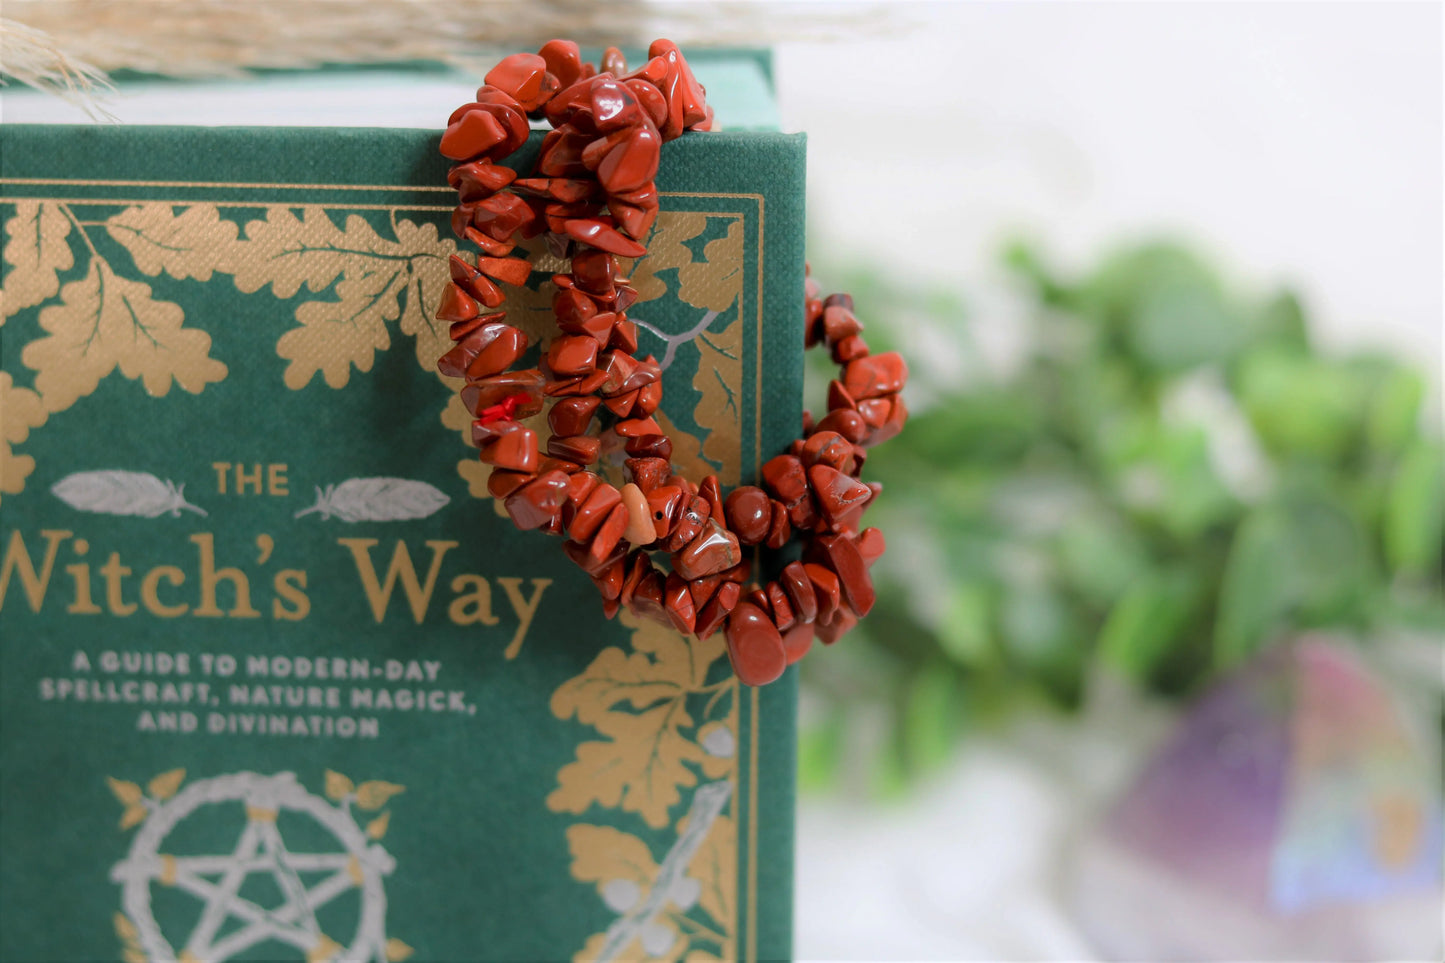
x=116 y=492
x=377 y=500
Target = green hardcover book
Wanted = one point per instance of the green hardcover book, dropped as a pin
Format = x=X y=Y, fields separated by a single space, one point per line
x=277 y=679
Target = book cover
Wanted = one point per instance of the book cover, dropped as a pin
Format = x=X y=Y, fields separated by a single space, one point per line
x=277 y=679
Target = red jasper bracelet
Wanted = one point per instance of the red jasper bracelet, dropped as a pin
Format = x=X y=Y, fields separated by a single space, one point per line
x=594 y=196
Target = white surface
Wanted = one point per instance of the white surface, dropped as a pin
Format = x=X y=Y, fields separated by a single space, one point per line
x=969 y=869
x=1302 y=141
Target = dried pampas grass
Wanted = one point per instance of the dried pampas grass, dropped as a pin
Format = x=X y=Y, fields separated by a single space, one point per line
x=33 y=57
x=209 y=38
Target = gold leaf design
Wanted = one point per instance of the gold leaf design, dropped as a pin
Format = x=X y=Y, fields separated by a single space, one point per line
x=644 y=764
x=376 y=829
x=715 y=282
x=642 y=767
x=714 y=866
x=336 y=335
x=132 y=816
x=718 y=377
x=128 y=793
x=37 y=250
x=191 y=244
x=666 y=248
x=602 y=854
x=338 y=787
x=430 y=275
x=165 y=785
x=396 y=950
x=125 y=929
x=105 y=321
x=377 y=280
x=375 y=793
x=20 y=410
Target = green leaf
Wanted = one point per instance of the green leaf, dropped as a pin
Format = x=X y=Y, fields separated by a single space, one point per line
x=1395 y=411
x=1171 y=479
x=1414 y=512
x=887 y=772
x=1282 y=322
x=1146 y=622
x=820 y=753
x=1301 y=405
x=1041 y=637
x=1185 y=323
x=930 y=718
x=1330 y=569
x=1299 y=562
x=1099 y=555
x=1256 y=591
x=966 y=634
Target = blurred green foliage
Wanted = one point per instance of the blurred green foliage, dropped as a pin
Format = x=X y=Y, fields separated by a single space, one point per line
x=1164 y=477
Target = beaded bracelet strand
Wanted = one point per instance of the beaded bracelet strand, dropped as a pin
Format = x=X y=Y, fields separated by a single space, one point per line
x=593 y=195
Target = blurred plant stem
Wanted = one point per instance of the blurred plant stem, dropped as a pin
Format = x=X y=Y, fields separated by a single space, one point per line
x=1164 y=478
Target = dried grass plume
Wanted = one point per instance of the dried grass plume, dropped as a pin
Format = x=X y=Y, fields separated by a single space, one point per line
x=212 y=38
x=32 y=57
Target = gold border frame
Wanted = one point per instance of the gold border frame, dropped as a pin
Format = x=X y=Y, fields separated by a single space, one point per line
x=751 y=927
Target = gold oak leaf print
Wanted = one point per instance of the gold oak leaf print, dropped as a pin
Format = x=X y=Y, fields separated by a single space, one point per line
x=715 y=282
x=605 y=856
x=194 y=243
x=718 y=378
x=666 y=248
x=20 y=411
x=105 y=321
x=376 y=280
x=638 y=702
x=37 y=250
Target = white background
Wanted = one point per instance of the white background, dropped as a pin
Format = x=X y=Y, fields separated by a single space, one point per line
x=1297 y=142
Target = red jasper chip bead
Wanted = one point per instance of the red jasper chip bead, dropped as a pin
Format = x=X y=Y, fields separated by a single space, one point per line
x=571 y=416
x=799 y=588
x=755 y=645
x=506 y=445
x=523 y=76
x=840 y=554
x=475 y=133
x=798 y=640
x=840 y=497
x=478 y=180
x=749 y=513
x=715 y=549
x=715 y=612
x=539 y=501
